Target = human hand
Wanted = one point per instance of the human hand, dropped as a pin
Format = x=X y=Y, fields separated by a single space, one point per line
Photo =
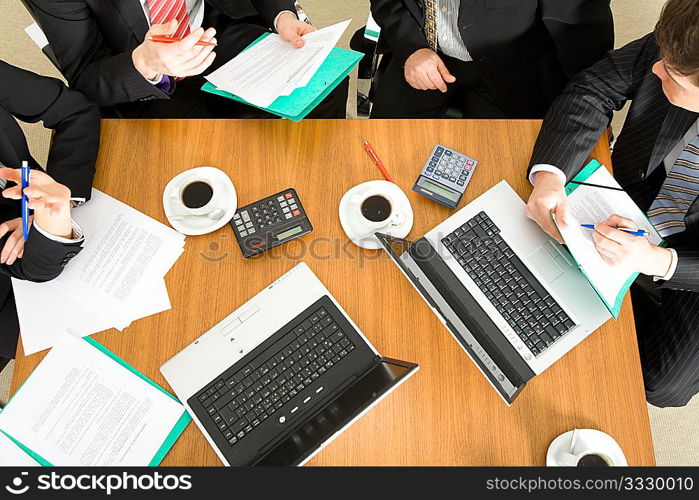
x=633 y=253
x=178 y=59
x=548 y=197
x=49 y=200
x=425 y=70
x=14 y=246
x=291 y=29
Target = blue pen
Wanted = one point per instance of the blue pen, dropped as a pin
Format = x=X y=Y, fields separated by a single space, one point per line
x=25 y=200
x=640 y=232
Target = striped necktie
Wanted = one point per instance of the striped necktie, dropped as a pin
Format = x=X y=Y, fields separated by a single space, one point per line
x=164 y=11
x=679 y=191
x=431 y=23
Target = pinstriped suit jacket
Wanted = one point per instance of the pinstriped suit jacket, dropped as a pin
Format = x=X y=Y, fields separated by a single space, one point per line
x=653 y=128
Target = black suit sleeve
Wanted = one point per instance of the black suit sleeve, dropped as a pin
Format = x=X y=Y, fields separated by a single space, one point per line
x=686 y=275
x=85 y=59
x=399 y=28
x=43 y=259
x=578 y=117
x=582 y=31
x=269 y=9
x=73 y=153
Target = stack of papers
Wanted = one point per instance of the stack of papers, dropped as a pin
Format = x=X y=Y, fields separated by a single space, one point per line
x=83 y=406
x=273 y=68
x=116 y=279
x=592 y=205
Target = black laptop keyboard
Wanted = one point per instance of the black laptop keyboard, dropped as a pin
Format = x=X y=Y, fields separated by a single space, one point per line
x=240 y=401
x=519 y=297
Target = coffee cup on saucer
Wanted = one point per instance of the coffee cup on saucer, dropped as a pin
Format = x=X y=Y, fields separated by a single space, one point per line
x=378 y=210
x=585 y=448
x=375 y=206
x=199 y=201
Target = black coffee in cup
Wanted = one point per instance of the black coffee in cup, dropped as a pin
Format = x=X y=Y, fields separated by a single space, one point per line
x=376 y=208
x=592 y=460
x=197 y=194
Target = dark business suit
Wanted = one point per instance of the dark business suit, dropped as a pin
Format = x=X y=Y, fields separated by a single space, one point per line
x=93 y=41
x=75 y=121
x=667 y=313
x=525 y=50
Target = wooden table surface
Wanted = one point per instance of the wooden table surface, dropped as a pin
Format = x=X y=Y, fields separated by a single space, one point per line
x=447 y=414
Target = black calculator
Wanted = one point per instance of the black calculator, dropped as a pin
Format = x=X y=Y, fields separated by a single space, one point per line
x=270 y=222
x=445 y=176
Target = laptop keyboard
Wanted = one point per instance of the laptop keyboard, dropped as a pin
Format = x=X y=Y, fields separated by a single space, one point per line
x=514 y=291
x=241 y=400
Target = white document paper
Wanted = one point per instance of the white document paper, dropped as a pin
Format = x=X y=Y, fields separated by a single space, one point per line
x=61 y=313
x=115 y=280
x=273 y=67
x=12 y=455
x=124 y=251
x=592 y=205
x=82 y=408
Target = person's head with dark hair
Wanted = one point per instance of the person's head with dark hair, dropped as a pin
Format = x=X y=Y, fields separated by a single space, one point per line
x=677 y=34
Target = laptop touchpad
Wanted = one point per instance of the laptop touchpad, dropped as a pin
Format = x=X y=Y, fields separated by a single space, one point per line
x=545 y=261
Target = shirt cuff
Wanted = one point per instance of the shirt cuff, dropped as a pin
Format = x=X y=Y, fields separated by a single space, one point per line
x=673 y=267
x=77 y=236
x=278 y=15
x=546 y=168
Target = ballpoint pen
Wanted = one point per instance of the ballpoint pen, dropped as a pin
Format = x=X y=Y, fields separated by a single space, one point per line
x=639 y=232
x=377 y=161
x=25 y=200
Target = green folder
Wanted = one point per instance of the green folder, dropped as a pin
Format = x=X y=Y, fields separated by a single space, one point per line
x=300 y=102
x=614 y=308
x=174 y=434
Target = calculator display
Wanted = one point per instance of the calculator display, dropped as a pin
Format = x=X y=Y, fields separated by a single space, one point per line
x=440 y=190
x=290 y=232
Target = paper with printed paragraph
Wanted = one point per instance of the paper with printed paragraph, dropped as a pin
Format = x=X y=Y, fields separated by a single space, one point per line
x=592 y=205
x=82 y=408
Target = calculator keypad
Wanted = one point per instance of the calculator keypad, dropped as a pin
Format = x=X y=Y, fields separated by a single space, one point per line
x=449 y=167
x=266 y=213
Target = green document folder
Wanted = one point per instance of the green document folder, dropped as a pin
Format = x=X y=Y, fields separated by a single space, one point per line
x=300 y=102
x=167 y=444
x=614 y=308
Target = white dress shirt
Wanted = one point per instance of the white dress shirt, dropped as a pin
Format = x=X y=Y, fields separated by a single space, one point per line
x=668 y=162
x=448 y=35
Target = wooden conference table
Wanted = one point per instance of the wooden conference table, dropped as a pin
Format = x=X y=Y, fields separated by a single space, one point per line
x=447 y=414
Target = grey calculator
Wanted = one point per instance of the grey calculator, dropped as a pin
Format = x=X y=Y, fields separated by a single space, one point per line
x=445 y=176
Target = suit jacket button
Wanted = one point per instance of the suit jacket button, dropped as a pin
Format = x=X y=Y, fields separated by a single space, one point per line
x=642 y=173
x=70 y=255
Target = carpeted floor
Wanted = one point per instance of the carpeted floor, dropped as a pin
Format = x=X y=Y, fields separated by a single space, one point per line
x=675 y=431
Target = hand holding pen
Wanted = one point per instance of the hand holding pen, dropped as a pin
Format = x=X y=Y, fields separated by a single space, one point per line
x=621 y=249
x=49 y=200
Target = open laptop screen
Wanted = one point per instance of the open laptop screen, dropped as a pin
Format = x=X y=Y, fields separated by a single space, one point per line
x=336 y=415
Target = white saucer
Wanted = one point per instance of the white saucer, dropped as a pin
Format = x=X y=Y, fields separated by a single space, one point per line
x=351 y=222
x=585 y=439
x=224 y=198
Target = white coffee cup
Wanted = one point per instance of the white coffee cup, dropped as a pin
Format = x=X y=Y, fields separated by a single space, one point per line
x=192 y=193
x=375 y=210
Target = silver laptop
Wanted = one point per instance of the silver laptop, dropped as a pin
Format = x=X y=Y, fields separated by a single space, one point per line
x=510 y=295
x=282 y=376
